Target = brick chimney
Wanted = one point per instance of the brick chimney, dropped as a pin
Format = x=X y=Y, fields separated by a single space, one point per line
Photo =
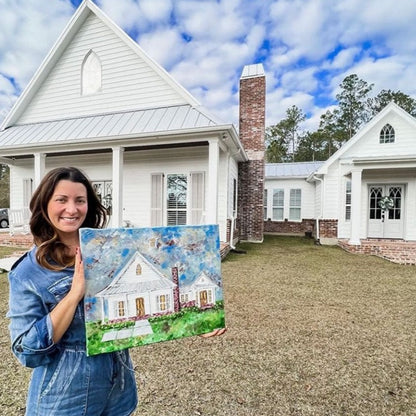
x=251 y=173
x=176 y=300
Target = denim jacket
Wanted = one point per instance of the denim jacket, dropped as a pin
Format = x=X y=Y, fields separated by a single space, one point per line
x=34 y=292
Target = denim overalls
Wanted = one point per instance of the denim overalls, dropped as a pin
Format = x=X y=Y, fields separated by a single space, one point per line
x=65 y=382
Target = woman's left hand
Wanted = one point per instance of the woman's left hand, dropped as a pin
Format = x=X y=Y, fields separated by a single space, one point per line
x=214 y=333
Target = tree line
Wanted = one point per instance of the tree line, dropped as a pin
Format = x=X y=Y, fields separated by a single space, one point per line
x=286 y=142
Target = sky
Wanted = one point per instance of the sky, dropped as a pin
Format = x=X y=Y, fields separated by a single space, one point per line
x=307 y=47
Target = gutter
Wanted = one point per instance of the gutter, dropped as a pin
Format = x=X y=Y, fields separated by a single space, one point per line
x=321 y=207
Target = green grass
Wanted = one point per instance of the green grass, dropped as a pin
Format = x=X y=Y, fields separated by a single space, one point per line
x=188 y=322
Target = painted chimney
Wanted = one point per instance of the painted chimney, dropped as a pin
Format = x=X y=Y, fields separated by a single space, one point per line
x=251 y=173
x=175 y=279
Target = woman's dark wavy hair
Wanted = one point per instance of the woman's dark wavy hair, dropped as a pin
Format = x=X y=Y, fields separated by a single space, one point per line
x=51 y=251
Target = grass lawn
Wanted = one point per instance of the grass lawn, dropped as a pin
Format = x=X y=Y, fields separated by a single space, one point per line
x=312 y=330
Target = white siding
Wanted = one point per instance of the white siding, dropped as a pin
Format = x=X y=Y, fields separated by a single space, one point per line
x=370 y=146
x=308 y=195
x=127 y=81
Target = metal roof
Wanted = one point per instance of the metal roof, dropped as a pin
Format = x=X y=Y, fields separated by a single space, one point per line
x=291 y=170
x=129 y=123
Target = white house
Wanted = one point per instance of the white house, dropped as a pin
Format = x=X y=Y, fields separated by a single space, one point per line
x=138 y=290
x=364 y=194
x=155 y=155
x=202 y=291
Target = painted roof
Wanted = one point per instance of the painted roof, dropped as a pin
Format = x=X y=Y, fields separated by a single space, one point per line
x=291 y=170
x=129 y=123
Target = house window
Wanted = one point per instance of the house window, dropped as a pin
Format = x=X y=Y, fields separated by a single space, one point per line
x=138 y=269
x=120 y=309
x=265 y=205
x=348 y=200
x=387 y=134
x=164 y=302
x=278 y=204
x=234 y=196
x=169 y=199
x=176 y=201
x=104 y=192
x=91 y=76
x=376 y=193
x=295 y=204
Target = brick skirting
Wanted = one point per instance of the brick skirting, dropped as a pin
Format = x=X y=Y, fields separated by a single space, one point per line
x=396 y=251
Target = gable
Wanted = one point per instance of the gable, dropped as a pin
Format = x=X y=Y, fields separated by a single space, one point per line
x=365 y=143
x=370 y=147
x=130 y=79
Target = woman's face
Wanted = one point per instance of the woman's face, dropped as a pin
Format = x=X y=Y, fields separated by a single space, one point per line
x=68 y=208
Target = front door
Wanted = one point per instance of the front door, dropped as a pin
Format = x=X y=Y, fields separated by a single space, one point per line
x=140 y=307
x=385 y=216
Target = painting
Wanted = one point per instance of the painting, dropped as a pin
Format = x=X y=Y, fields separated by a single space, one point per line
x=146 y=285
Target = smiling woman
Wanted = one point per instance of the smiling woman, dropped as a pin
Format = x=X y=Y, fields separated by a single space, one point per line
x=46 y=313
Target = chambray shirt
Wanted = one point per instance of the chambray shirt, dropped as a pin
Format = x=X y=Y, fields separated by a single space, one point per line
x=65 y=381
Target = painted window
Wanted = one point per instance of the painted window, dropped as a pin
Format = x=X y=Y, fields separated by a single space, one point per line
x=278 y=204
x=348 y=200
x=387 y=134
x=184 y=298
x=170 y=203
x=295 y=204
x=164 y=302
x=138 y=269
x=265 y=205
x=91 y=74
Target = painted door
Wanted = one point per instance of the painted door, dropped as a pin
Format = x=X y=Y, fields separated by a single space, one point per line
x=203 y=298
x=385 y=223
x=140 y=307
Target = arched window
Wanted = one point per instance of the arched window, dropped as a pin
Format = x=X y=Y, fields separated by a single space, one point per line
x=387 y=134
x=91 y=74
x=138 y=269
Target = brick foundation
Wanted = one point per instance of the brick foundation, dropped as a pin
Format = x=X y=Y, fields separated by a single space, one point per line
x=396 y=251
x=290 y=227
x=328 y=228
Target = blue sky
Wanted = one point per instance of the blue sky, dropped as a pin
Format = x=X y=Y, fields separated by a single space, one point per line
x=307 y=47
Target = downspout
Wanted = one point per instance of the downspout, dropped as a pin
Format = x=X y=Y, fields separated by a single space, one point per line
x=321 y=207
x=232 y=246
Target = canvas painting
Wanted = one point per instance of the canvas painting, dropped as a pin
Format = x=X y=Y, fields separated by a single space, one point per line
x=146 y=285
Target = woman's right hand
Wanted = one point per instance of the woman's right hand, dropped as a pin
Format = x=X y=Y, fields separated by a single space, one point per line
x=78 y=280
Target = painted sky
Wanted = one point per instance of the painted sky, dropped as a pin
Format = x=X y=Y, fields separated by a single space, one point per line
x=191 y=249
x=307 y=47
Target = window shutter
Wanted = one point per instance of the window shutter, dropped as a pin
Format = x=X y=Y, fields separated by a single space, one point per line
x=156 y=203
x=197 y=197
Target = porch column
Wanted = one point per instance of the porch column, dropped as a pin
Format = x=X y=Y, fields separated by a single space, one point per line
x=117 y=196
x=213 y=166
x=355 y=207
x=39 y=165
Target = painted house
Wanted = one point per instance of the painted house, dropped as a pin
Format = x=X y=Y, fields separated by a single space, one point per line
x=362 y=197
x=155 y=156
x=138 y=290
x=202 y=292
